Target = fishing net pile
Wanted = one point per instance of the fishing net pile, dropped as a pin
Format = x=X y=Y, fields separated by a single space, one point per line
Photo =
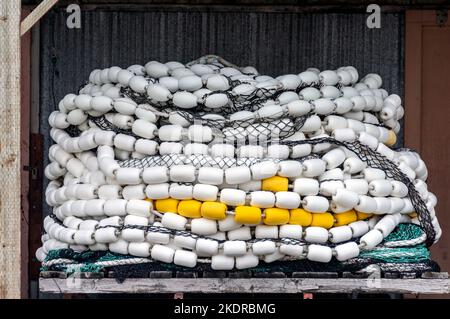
x=211 y=165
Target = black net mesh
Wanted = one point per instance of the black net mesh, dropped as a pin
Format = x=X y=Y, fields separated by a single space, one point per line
x=379 y=161
x=244 y=101
x=251 y=130
x=73 y=131
x=163 y=230
x=370 y=157
x=139 y=98
x=260 y=131
x=196 y=160
x=104 y=124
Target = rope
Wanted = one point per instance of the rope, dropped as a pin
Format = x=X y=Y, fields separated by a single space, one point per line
x=410 y=242
x=58 y=261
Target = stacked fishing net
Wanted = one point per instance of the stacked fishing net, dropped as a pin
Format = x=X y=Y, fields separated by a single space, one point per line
x=211 y=163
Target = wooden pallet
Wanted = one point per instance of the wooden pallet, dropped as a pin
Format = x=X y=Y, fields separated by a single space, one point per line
x=245 y=282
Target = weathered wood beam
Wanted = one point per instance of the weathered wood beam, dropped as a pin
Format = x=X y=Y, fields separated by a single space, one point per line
x=10 y=210
x=36 y=15
x=239 y=285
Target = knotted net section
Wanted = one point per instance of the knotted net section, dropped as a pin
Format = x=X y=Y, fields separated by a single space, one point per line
x=196 y=160
x=374 y=159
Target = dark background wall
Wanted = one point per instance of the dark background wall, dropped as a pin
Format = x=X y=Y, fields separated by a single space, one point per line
x=273 y=42
x=296 y=3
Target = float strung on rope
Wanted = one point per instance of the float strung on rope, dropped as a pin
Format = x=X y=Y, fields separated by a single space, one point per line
x=208 y=162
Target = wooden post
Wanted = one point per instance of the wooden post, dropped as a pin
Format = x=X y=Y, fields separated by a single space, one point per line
x=10 y=210
x=25 y=101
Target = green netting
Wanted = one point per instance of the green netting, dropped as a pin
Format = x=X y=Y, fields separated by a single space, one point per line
x=87 y=256
x=87 y=259
x=410 y=256
x=404 y=232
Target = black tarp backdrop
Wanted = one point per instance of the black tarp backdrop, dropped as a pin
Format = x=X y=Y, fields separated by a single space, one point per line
x=275 y=43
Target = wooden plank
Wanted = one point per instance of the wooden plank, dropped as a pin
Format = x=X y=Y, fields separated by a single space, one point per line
x=241 y=285
x=311 y=274
x=435 y=133
x=294 y=4
x=416 y=21
x=214 y=274
x=88 y=275
x=160 y=274
x=413 y=80
x=426 y=110
x=35 y=199
x=10 y=210
x=53 y=274
x=186 y=274
x=435 y=275
x=36 y=15
x=225 y=6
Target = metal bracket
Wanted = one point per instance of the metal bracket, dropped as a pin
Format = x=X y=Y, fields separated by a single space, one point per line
x=441 y=17
x=33 y=171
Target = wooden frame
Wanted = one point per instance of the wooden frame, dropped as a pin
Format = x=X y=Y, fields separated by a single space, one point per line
x=415 y=21
x=426 y=108
x=36 y=15
x=25 y=98
x=241 y=285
